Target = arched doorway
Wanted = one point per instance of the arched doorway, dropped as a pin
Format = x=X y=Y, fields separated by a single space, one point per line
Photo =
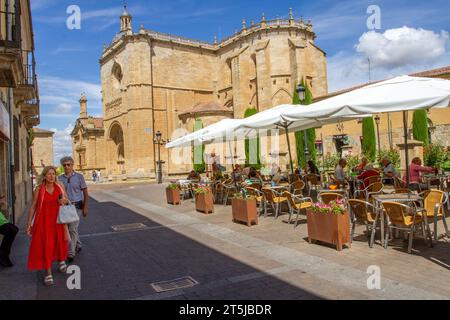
x=117 y=150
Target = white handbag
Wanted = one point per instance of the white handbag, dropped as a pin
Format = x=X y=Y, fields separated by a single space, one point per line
x=67 y=214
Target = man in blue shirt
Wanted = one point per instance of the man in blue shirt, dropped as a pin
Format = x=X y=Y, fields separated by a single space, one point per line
x=77 y=193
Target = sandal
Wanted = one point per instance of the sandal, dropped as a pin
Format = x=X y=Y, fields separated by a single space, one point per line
x=62 y=267
x=48 y=280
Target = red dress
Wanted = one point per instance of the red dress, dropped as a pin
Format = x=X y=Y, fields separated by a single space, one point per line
x=48 y=240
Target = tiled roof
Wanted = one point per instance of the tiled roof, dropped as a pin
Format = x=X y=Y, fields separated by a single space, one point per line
x=39 y=130
x=208 y=107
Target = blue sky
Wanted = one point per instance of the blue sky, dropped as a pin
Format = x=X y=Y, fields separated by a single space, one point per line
x=413 y=37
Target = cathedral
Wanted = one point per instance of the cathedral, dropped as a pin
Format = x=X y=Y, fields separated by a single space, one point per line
x=153 y=81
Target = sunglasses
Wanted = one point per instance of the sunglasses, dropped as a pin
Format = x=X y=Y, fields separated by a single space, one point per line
x=67 y=164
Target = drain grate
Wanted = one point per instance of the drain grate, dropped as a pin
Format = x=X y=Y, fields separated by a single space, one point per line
x=128 y=227
x=179 y=283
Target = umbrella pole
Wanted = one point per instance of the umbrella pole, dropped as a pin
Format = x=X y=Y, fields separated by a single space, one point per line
x=289 y=149
x=405 y=132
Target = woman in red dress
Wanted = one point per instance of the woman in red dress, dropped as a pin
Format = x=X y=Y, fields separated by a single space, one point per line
x=49 y=240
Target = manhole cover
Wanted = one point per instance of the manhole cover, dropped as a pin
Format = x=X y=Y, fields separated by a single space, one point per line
x=180 y=283
x=130 y=226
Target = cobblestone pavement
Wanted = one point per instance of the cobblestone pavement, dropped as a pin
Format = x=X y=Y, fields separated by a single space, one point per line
x=271 y=260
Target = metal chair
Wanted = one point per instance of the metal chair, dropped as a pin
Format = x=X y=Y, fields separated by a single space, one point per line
x=313 y=181
x=186 y=190
x=297 y=203
x=229 y=188
x=365 y=213
x=374 y=188
x=433 y=209
x=327 y=197
x=405 y=218
x=297 y=187
x=371 y=180
x=274 y=199
x=402 y=190
x=259 y=197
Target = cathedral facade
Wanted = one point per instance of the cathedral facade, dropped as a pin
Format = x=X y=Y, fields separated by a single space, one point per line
x=157 y=82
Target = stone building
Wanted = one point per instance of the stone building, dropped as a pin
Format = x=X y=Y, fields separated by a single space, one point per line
x=345 y=138
x=42 y=149
x=19 y=104
x=88 y=141
x=153 y=81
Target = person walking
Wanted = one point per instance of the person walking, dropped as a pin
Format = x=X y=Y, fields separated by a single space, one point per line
x=9 y=232
x=49 y=240
x=94 y=176
x=99 y=176
x=77 y=193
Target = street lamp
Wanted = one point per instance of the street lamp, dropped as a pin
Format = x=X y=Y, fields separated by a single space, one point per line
x=301 y=94
x=377 y=121
x=159 y=142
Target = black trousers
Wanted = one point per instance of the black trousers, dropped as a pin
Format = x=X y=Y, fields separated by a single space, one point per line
x=9 y=232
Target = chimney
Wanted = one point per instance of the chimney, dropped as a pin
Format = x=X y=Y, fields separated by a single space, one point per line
x=83 y=107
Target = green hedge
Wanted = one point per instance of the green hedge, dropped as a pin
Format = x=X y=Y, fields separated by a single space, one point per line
x=369 y=142
x=251 y=143
x=420 y=126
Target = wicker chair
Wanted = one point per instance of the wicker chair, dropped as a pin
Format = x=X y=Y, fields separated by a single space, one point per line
x=297 y=187
x=433 y=209
x=327 y=197
x=371 y=180
x=402 y=217
x=402 y=190
x=274 y=199
x=297 y=203
x=259 y=197
x=313 y=181
x=374 y=188
x=363 y=212
x=229 y=189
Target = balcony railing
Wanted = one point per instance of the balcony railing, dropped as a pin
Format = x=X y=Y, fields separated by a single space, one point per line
x=10 y=27
x=29 y=69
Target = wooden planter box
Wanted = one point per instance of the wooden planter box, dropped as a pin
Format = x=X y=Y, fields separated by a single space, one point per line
x=173 y=196
x=244 y=210
x=329 y=228
x=204 y=203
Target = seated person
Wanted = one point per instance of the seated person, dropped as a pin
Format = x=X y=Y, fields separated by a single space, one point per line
x=237 y=173
x=415 y=170
x=9 y=232
x=389 y=172
x=253 y=177
x=339 y=173
x=278 y=177
x=193 y=175
x=275 y=169
x=360 y=167
x=368 y=172
x=312 y=168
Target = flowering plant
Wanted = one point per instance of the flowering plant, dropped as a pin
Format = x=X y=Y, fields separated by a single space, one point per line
x=173 y=186
x=202 y=190
x=335 y=207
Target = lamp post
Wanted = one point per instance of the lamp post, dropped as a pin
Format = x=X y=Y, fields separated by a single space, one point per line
x=301 y=95
x=159 y=142
x=377 y=122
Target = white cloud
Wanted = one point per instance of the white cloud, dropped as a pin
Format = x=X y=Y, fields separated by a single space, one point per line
x=63 y=108
x=402 y=46
x=62 y=143
x=392 y=53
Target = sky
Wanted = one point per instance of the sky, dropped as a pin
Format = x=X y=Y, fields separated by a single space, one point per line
x=409 y=36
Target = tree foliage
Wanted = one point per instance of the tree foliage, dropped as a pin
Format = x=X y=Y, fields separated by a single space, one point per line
x=310 y=133
x=198 y=151
x=369 y=142
x=250 y=144
x=420 y=126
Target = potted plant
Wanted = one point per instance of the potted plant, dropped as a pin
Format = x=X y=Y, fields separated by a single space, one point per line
x=244 y=209
x=329 y=223
x=204 y=200
x=173 y=194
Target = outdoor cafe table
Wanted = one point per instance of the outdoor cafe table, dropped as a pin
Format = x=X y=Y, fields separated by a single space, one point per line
x=441 y=177
x=394 y=197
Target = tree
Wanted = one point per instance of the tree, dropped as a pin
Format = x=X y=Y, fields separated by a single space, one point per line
x=369 y=147
x=251 y=143
x=198 y=151
x=310 y=133
x=420 y=126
